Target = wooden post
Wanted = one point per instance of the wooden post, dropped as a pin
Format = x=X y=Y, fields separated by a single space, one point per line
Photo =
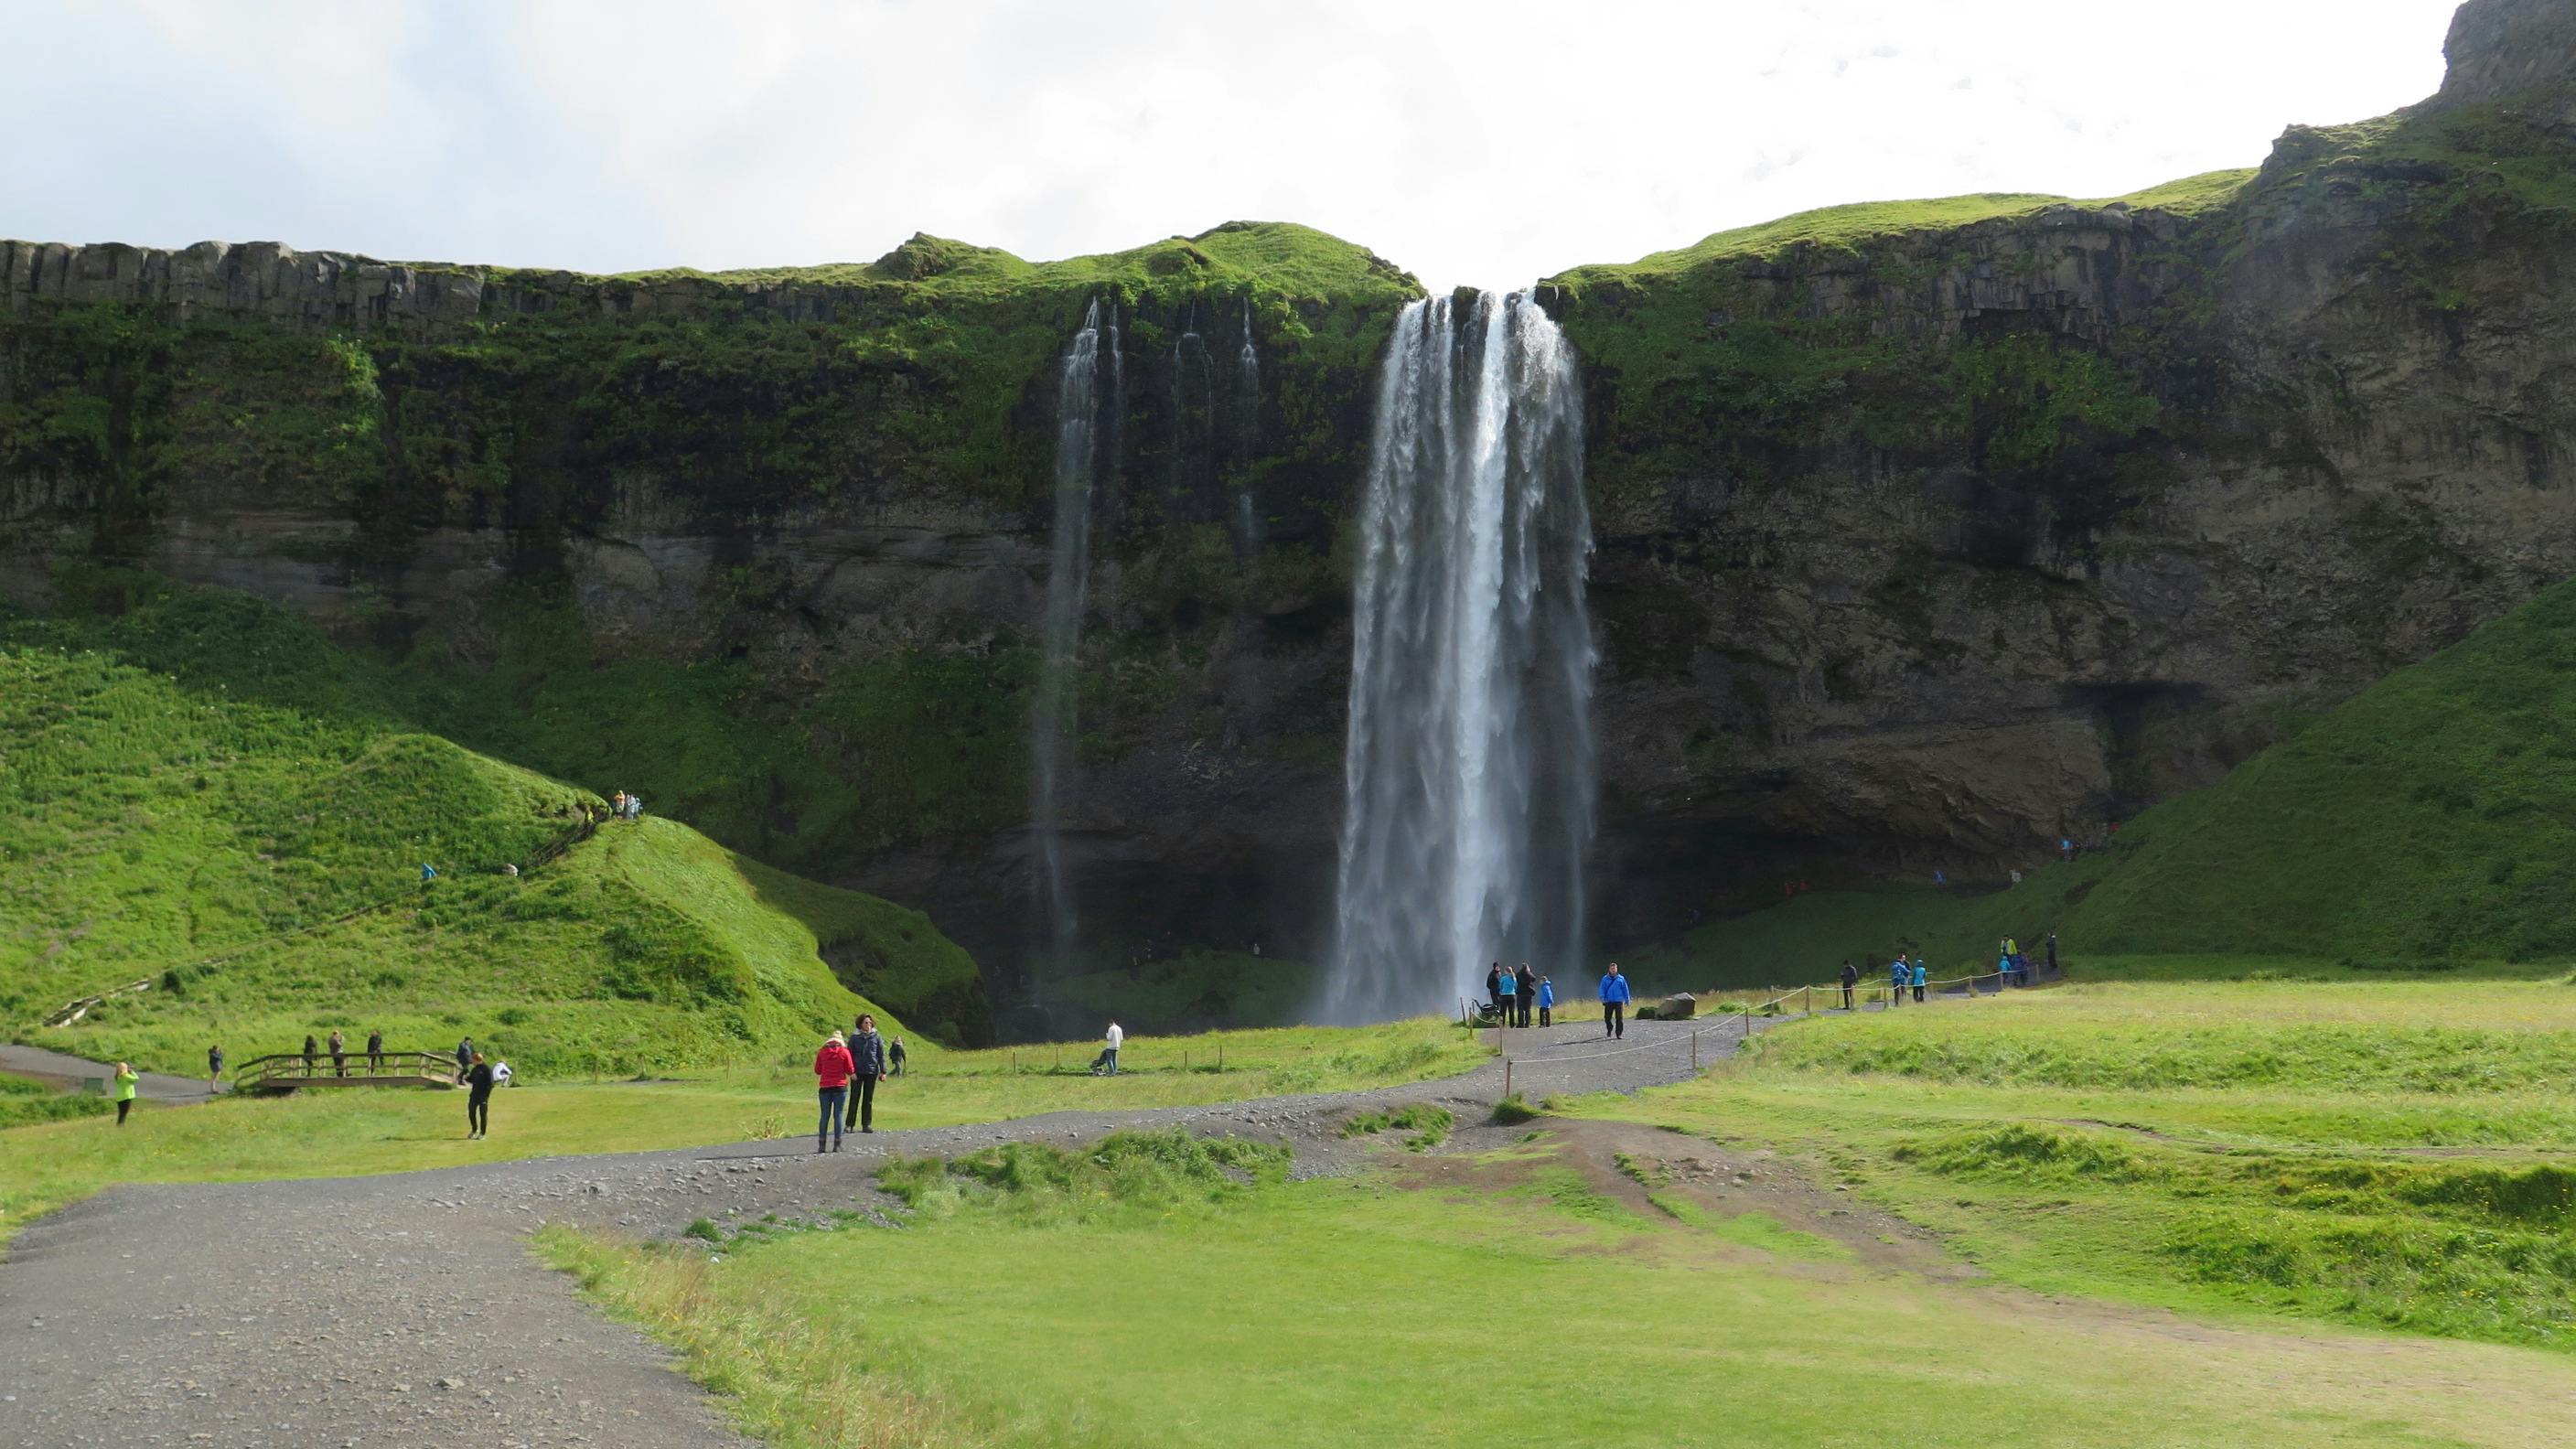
x=1185 y=1061
x=1694 y=1049
x=1507 y=1076
x=1220 y=1059
x=1059 y=1056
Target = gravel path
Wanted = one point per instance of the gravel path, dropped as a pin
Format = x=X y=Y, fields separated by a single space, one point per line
x=71 y=1072
x=342 y=1311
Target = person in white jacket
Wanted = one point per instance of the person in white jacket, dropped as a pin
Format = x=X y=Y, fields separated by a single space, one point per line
x=1108 y=1063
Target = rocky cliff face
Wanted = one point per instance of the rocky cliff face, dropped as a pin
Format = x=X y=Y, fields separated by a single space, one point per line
x=1924 y=539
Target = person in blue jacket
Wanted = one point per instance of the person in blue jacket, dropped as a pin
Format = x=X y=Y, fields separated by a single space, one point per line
x=1614 y=1003
x=1546 y=999
x=1508 y=988
x=1919 y=974
x=1897 y=976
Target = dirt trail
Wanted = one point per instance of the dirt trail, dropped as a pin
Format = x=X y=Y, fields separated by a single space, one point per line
x=348 y=1310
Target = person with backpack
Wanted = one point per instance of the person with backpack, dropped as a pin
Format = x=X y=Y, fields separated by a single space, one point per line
x=126 y=1080
x=832 y=1071
x=1509 y=986
x=1526 y=983
x=1546 y=1000
x=1850 y=979
x=1614 y=1003
x=1494 y=991
x=1920 y=974
x=478 y=1098
x=868 y=1063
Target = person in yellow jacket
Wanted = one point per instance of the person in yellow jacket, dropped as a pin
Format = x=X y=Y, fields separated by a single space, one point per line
x=126 y=1077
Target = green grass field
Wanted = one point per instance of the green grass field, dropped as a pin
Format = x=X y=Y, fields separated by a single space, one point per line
x=2161 y=1212
x=45 y=1166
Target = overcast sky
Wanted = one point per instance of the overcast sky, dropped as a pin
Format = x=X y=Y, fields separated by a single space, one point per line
x=1481 y=141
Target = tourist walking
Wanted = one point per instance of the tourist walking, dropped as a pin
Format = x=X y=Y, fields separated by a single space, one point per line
x=832 y=1069
x=478 y=1098
x=375 y=1051
x=339 y=1054
x=868 y=1062
x=1546 y=1000
x=214 y=1068
x=1897 y=976
x=1527 y=994
x=464 y=1058
x=311 y=1049
x=1509 y=985
x=1850 y=979
x=1614 y=1003
x=894 y=1058
x=1920 y=974
x=1109 y=1051
x=126 y=1078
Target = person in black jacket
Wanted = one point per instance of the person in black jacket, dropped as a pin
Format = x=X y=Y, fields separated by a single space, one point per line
x=375 y=1051
x=1526 y=997
x=867 y=1050
x=310 y=1048
x=1494 y=993
x=1851 y=978
x=478 y=1097
x=894 y=1058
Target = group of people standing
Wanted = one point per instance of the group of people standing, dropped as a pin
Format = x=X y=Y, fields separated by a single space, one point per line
x=312 y=1050
x=1513 y=995
x=846 y=1074
x=625 y=805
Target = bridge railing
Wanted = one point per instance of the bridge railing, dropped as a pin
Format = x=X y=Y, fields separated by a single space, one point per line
x=293 y=1071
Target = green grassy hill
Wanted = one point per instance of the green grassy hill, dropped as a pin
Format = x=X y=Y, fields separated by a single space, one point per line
x=205 y=794
x=2428 y=821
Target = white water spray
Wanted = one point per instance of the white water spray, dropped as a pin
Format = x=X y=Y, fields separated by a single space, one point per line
x=1468 y=774
x=1079 y=457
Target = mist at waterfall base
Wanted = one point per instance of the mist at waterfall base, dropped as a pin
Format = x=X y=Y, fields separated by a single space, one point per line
x=1468 y=768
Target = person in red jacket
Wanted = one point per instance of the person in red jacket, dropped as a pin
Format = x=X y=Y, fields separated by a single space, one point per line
x=832 y=1069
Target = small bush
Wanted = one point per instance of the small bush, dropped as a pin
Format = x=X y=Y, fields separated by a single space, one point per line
x=1514 y=1109
x=704 y=1231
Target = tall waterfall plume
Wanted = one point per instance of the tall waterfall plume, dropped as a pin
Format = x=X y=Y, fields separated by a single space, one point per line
x=1083 y=449
x=1468 y=773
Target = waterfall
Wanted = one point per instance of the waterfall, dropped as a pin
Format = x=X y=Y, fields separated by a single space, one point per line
x=1468 y=773
x=1247 y=392
x=1079 y=453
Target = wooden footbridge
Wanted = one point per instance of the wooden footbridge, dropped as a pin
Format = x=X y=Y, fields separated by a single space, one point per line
x=296 y=1072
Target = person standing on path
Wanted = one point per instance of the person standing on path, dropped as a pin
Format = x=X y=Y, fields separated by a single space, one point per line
x=464 y=1059
x=1109 y=1052
x=478 y=1098
x=1546 y=1000
x=1614 y=1003
x=1850 y=979
x=867 y=1064
x=1527 y=982
x=126 y=1077
x=214 y=1068
x=339 y=1053
x=375 y=1051
x=309 y=1051
x=2052 y=955
x=1509 y=985
x=1920 y=973
x=1897 y=976
x=894 y=1058
x=1494 y=992
x=832 y=1068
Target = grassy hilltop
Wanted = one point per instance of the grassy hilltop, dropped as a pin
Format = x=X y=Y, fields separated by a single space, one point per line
x=205 y=794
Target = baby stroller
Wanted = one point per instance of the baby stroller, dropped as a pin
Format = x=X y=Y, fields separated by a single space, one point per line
x=1100 y=1063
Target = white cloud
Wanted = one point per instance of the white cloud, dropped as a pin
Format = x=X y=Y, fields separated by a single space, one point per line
x=1484 y=140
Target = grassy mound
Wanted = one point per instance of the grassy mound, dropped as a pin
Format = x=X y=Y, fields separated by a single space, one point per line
x=204 y=795
x=2427 y=822
x=2286 y=1147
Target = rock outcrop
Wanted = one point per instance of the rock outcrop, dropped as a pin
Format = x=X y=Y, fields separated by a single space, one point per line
x=1921 y=545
